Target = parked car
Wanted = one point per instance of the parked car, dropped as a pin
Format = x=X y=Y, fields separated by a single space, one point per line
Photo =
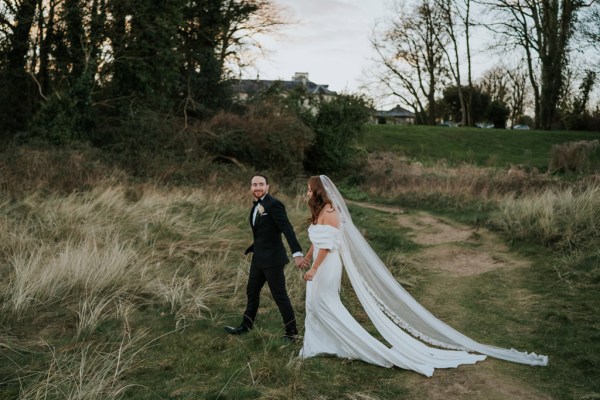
x=448 y=124
x=485 y=125
x=521 y=127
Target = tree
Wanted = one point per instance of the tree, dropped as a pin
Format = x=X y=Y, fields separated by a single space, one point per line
x=518 y=93
x=455 y=15
x=494 y=82
x=139 y=31
x=480 y=101
x=17 y=18
x=497 y=113
x=508 y=86
x=65 y=64
x=591 y=26
x=542 y=29
x=410 y=52
x=579 y=116
x=338 y=125
x=215 y=37
x=580 y=103
x=74 y=29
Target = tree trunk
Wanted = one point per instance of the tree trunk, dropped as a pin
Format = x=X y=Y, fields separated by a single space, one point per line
x=46 y=30
x=18 y=101
x=556 y=29
x=469 y=99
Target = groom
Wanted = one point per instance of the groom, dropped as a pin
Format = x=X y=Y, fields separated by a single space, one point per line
x=269 y=220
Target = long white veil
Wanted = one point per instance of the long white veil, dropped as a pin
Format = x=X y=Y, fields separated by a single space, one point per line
x=390 y=306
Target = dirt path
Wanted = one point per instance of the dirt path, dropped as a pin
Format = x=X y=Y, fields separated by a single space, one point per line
x=451 y=247
x=459 y=250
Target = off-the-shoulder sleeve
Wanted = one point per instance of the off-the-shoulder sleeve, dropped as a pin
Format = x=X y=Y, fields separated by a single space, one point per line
x=324 y=237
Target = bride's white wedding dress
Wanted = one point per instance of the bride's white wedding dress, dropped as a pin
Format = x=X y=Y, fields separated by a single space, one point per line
x=398 y=317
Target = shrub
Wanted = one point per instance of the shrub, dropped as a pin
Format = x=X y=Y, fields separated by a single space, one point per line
x=266 y=137
x=497 y=112
x=580 y=156
x=54 y=122
x=524 y=120
x=65 y=117
x=27 y=169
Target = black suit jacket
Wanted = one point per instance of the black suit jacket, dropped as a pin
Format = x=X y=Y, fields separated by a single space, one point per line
x=268 y=248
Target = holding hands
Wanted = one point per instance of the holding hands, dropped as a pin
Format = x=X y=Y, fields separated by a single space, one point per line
x=304 y=263
x=307 y=262
x=300 y=261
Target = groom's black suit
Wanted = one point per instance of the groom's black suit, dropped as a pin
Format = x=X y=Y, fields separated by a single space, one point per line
x=269 y=259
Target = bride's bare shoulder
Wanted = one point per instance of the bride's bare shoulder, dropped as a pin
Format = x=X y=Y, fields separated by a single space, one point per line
x=329 y=216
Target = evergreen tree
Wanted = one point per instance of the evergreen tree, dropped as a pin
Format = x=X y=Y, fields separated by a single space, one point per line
x=16 y=88
x=338 y=125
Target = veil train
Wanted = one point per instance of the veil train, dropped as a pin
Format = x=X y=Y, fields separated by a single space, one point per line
x=390 y=306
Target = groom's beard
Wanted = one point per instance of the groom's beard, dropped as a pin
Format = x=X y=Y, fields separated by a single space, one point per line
x=259 y=194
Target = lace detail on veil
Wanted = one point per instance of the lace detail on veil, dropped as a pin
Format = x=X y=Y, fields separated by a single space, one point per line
x=405 y=325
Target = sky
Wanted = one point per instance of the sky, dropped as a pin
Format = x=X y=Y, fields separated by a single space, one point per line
x=329 y=40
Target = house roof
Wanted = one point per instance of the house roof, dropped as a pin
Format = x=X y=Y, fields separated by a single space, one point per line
x=254 y=86
x=395 y=112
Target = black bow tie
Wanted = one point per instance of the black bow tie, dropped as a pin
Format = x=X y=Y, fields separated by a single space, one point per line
x=255 y=202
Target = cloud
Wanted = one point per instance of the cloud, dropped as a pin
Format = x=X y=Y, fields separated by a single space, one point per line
x=329 y=40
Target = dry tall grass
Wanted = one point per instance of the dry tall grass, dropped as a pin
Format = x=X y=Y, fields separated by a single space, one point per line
x=390 y=176
x=25 y=169
x=98 y=256
x=99 y=243
x=86 y=371
x=543 y=208
x=565 y=218
x=85 y=272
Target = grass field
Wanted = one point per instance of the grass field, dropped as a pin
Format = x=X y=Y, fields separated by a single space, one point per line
x=485 y=147
x=178 y=277
x=121 y=290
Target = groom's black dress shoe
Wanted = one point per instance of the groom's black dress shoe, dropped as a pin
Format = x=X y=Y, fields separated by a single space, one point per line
x=290 y=337
x=233 y=330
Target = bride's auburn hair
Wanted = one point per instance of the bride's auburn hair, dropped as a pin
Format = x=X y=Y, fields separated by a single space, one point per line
x=319 y=198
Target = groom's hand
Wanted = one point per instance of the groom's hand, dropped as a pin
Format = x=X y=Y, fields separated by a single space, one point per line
x=306 y=263
x=299 y=260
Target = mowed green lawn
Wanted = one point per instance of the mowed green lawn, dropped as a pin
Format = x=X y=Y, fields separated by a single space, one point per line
x=486 y=147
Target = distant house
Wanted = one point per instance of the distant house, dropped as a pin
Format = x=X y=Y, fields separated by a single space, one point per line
x=395 y=116
x=245 y=89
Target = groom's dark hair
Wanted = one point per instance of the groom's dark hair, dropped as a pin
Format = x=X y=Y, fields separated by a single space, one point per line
x=262 y=176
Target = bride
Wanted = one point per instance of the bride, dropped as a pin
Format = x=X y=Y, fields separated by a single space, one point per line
x=397 y=316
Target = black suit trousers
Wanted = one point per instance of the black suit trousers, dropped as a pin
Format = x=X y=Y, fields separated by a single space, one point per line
x=276 y=280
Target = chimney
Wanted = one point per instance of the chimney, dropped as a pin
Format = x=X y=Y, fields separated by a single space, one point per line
x=301 y=76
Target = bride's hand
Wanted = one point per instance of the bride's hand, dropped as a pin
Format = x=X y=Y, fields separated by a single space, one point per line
x=306 y=262
x=310 y=274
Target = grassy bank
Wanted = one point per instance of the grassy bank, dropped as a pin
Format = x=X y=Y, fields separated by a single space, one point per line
x=483 y=147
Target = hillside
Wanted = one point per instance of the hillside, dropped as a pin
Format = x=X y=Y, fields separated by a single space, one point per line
x=484 y=147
